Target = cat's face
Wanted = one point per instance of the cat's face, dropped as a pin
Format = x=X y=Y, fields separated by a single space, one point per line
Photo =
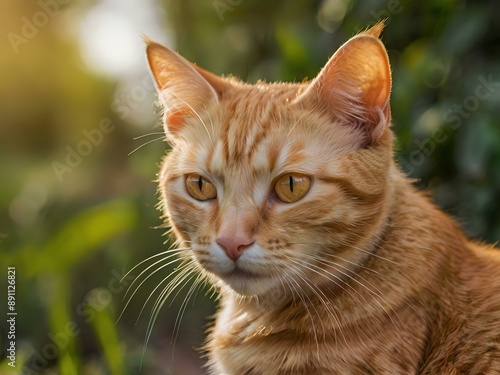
x=269 y=185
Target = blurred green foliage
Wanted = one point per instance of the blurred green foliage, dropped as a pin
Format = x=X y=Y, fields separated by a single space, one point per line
x=70 y=239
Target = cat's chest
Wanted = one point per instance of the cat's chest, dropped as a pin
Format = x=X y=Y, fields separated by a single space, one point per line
x=275 y=355
x=243 y=344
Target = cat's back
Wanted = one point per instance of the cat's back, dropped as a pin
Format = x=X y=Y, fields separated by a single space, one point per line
x=465 y=338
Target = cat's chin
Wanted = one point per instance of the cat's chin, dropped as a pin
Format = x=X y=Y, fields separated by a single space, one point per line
x=247 y=283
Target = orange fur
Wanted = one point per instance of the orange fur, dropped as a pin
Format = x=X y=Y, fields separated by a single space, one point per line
x=363 y=275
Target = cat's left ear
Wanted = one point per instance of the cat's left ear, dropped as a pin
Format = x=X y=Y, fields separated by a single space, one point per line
x=355 y=84
x=185 y=89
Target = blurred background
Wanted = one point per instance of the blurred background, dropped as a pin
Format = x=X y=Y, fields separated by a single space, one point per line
x=80 y=143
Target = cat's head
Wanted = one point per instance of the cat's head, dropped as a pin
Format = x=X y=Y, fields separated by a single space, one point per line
x=277 y=185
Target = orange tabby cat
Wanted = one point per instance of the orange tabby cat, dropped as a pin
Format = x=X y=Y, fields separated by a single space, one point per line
x=327 y=259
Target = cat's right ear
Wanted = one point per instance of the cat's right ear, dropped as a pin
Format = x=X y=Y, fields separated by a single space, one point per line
x=185 y=90
x=355 y=85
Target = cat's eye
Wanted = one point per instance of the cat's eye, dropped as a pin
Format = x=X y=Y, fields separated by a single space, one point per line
x=292 y=187
x=200 y=188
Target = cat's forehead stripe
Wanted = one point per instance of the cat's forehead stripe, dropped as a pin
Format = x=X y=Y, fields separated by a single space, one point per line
x=210 y=156
x=216 y=164
x=273 y=155
x=261 y=134
x=247 y=122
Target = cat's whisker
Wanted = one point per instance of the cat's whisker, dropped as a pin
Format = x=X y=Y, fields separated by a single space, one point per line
x=177 y=325
x=145 y=144
x=185 y=271
x=300 y=295
x=284 y=281
x=212 y=127
x=357 y=265
x=159 y=304
x=323 y=298
x=203 y=284
x=296 y=122
x=151 y=257
x=179 y=290
x=375 y=293
x=280 y=278
x=324 y=258
x=139 y=286
x=324 y=301
x=148 y=268
x=372 y=253
x=178 y=270
x=148 y=135
x=335 y=265
x=307 y=264
x=378 y=293
x=195 y=112
x=317 y=269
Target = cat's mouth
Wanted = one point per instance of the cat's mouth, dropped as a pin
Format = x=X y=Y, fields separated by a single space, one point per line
x=240 y=273
x=245 y=282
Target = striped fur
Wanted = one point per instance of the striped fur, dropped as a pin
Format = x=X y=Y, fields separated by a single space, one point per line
x=361 y=276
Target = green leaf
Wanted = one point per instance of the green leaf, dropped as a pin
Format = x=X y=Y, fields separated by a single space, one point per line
x=105 y=329
x=79 y=237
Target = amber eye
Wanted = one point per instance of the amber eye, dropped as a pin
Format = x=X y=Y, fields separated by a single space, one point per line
x=292 y=186
x=200 y=188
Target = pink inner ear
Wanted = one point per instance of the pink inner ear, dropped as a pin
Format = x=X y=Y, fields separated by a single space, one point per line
x=175 y=119
x=183 y=90
x=375 y=80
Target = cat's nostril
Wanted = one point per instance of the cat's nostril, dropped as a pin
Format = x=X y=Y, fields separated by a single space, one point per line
x=234 y=246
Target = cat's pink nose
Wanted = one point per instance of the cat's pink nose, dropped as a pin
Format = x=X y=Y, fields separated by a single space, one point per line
x=234 y=246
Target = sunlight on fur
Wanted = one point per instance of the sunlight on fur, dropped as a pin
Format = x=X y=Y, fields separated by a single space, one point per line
x=286 y=198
